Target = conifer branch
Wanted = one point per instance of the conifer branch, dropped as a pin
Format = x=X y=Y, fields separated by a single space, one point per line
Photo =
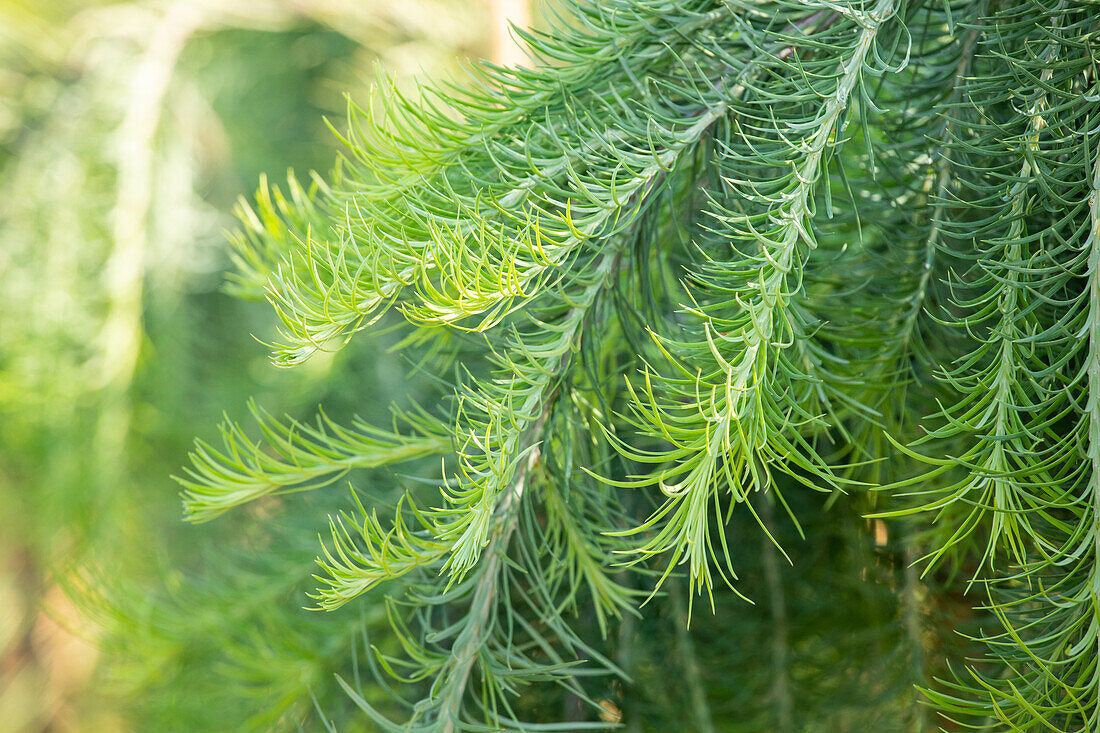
x=1092 y=245
x=512 y=431
x=998 y=474
x=455 y=678
x=585 y=559
x=729 y=433
x=1085 y=597
x=449 y=248
x=941 y=187
x=505 y=436
x=355 y=572
x=1045 y=601
x=291 y=457
x=790 y=226
x=374 y=555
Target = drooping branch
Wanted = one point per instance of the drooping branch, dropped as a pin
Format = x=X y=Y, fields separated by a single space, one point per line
x=718 y=412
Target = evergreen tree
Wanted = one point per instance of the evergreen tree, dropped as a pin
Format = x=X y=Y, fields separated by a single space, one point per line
x=793 y=303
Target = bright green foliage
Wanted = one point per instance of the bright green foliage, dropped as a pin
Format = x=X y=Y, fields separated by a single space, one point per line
x=697 y=263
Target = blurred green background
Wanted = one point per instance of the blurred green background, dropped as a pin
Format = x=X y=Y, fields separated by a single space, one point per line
x=128 y=131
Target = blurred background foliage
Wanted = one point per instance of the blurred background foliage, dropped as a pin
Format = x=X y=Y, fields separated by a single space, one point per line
x=127 y=132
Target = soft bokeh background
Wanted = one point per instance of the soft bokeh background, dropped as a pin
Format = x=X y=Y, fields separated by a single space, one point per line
x=128 y=130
